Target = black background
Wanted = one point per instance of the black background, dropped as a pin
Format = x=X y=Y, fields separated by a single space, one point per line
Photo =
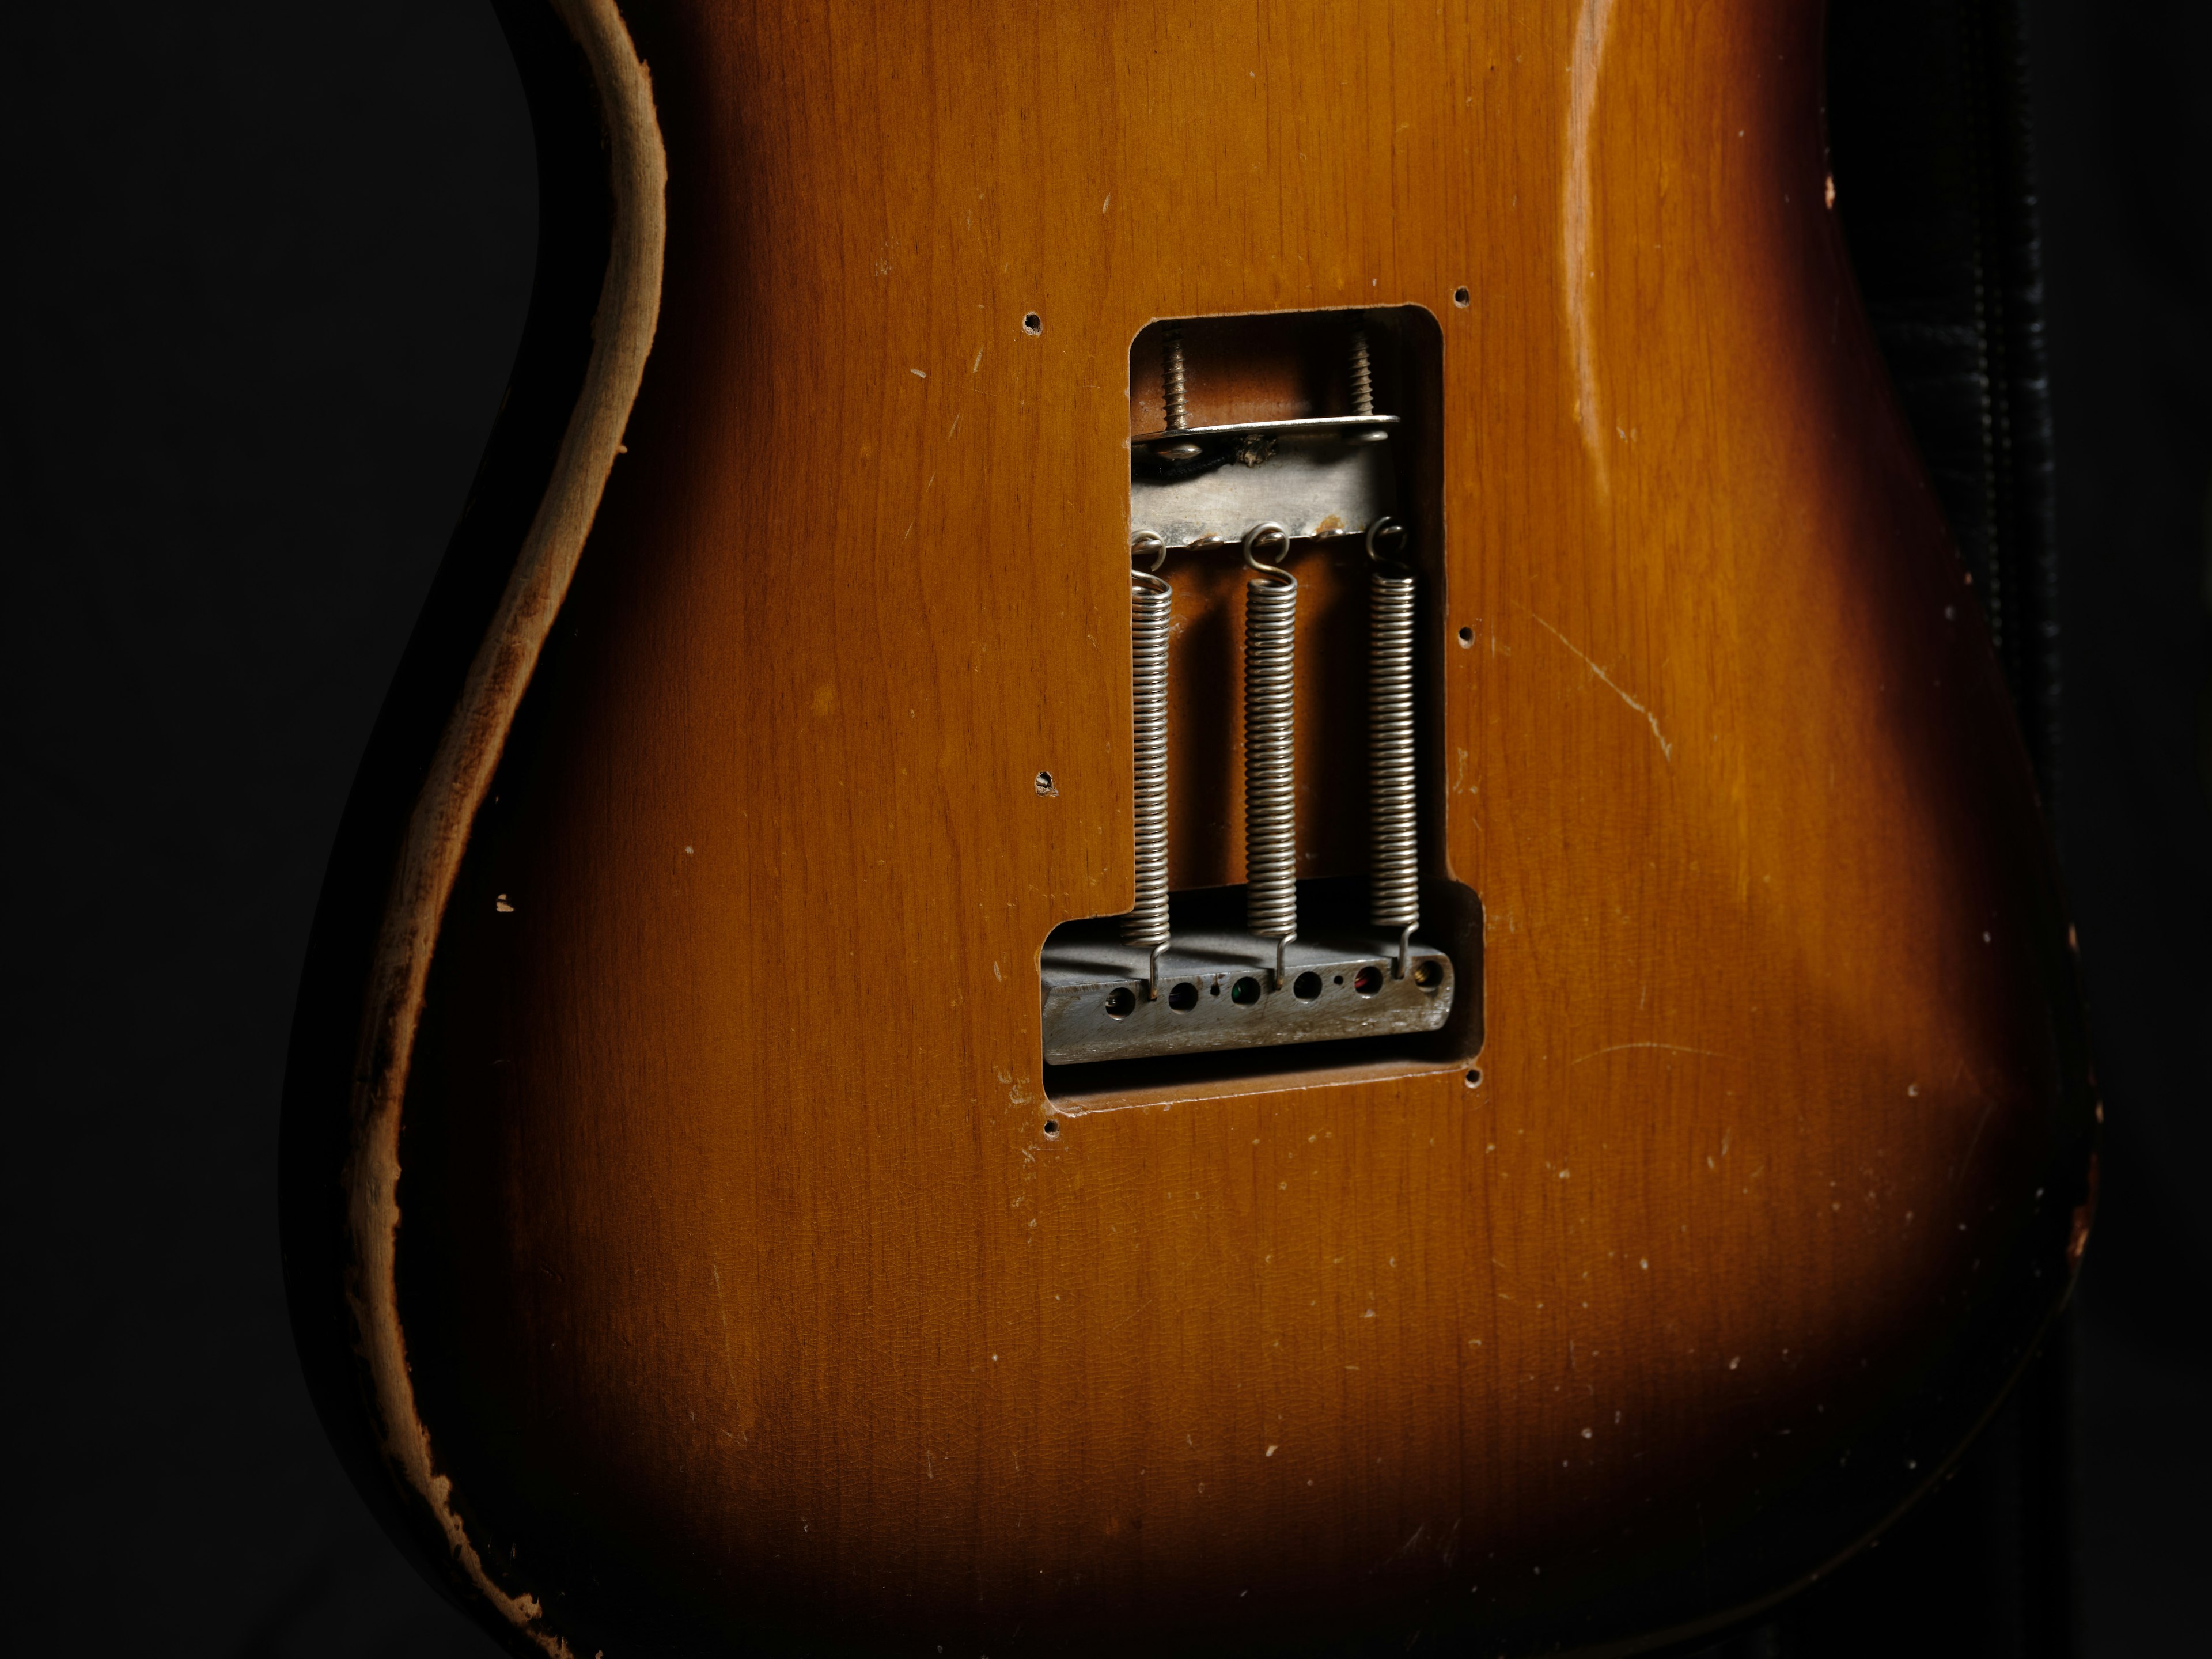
x=266 y=266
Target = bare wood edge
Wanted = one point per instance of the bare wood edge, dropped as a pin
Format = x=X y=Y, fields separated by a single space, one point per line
x=467 y=755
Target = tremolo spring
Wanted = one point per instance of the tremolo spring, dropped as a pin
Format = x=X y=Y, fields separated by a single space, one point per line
x=1151 y=600
x=1394 y=884
x=1271 y=616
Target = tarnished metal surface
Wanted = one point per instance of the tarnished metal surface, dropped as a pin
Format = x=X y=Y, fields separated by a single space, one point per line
x=1218 y=991
x=1316 y=477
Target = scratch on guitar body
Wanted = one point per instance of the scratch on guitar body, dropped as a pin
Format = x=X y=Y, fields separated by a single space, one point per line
x=1611 y=684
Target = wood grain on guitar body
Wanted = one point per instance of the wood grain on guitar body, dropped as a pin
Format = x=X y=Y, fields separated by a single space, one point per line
x=872 y=1081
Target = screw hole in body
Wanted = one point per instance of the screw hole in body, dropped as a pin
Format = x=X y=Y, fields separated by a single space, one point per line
x=1120 y=1002
x=1183 y=998
x=1245 y=992
x=1462 y=298
x=1306 y=986
x=1367 y=981
x=1032 y=323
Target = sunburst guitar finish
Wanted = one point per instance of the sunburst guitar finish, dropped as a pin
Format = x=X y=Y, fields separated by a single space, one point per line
x=688 y=1239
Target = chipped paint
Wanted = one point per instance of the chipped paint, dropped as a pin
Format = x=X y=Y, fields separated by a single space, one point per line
x=461 y=771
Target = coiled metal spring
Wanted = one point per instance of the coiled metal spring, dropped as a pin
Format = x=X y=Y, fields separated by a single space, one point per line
x=1271 y=618
x=1151 y=599
x=1394 y=877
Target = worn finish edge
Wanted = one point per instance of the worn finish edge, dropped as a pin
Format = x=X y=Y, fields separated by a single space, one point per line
x=468 y=754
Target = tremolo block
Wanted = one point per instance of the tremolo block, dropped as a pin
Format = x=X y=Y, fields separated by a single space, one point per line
x=1216 y=992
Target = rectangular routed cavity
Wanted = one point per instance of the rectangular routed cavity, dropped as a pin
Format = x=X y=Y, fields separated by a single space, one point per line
x=1285 y=540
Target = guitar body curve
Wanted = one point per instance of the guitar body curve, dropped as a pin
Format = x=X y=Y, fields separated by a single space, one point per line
x=688 y=1239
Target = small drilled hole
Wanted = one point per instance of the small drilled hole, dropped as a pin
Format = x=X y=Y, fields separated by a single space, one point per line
x=1120 y=1002
x=1428 y=974
x=1183 y=998
x=1214 y=989
x=1306 y=986
x=1466 y=638
x=1032 y=323
x=1460 y=297
x=1044 y=783
x=1340 y=979
x=1245 y=992
x=1051 y=1127
x=1475 y=1080
x=1367 y=981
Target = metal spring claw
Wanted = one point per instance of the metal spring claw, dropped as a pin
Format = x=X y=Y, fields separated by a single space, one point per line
x=1394 y=878
x=1151 y=600
x=1271 y=614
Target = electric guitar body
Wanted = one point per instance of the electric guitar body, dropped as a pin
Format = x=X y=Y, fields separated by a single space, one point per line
x=1488 y=1051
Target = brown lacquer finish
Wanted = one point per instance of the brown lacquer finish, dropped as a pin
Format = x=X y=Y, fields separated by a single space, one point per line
x=743 y=1292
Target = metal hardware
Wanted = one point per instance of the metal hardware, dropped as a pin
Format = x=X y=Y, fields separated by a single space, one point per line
x=1362 y=392
x=1271 y=623
x=1151 y=599
x=1305 y=475
x=1338 y=984
x=1394 y=876
x=1338 y=427
x=1175 y=407
x=1279 y=960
